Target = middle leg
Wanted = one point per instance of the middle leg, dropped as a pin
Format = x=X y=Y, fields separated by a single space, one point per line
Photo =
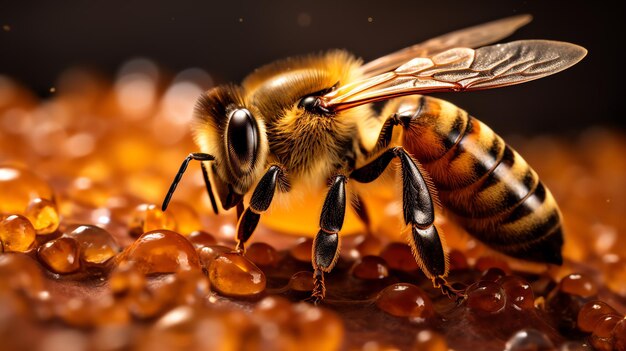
x=418 y=212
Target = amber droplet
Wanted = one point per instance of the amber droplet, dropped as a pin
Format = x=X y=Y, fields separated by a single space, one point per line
x=485 y=297
x=405 y=300
x=185 y=217
x=125 y=279
x=60 y=255
x=200 y=239
x=619 y=335
x=302 y=250
x=148 y=217
x=19 y=272
x=162 y=251
x=398 y=256
x=370 y=267
x=17 y=233
x=529 y=339
x=301 y=281
x=518 y=292
x=579 y=285
x=96 y=244
x=209 y=253
x=428 y=340
x=262 y=254
x=606 y=324
x=44 y=216
x=591 y=313
x=232 y=274
x=18 y=186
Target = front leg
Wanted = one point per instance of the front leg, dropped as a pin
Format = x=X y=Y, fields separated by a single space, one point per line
x=259 y=202
x=326 y=242
x=418 y=212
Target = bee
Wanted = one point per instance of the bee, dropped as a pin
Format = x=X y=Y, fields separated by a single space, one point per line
x=307 y=125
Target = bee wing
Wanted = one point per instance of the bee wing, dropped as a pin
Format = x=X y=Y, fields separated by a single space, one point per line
x=461 y=69
x=471 y=37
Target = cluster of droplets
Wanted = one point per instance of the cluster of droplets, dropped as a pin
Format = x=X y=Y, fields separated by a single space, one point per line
x=88 y=258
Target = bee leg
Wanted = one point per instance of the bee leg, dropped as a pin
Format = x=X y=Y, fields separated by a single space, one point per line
x=259 y=202
x=198 y=156
x=326 y=242
x=418 y=212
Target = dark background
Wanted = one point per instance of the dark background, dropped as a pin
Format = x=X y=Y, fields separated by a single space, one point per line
x=230 y=38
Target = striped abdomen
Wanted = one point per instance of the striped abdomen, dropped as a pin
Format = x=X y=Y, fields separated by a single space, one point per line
x=488 y=186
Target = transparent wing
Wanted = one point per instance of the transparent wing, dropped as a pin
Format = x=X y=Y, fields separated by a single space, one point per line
x=461 y=69
x=471 y=37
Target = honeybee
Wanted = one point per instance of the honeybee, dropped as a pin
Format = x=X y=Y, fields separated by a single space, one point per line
x=307 y=125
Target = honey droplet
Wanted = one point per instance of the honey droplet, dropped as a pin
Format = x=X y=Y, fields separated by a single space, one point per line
x=97 y=246
x=60 y=255
x=162 y=251
x=148 y=217
x=399 y=256
x=301 y=281
x=125 y=279
x=518 y=292
x=619 y=335
x=529 y=339
x=209 y=253
x=428 y=340
x=485 y=297
x=19 y=272
x=17 y=233
x=405 y=300
x=579 y=285
x=231 y=274
x=200 y=239
x=591 y=313
x=370 y=267
x=44 y=216
x=302 y=250
x=185 y=217
x=18 y=186
x=605 y=325
x=262 y=254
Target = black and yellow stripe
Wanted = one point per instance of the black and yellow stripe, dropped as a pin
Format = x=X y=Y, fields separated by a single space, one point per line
x=488 y=187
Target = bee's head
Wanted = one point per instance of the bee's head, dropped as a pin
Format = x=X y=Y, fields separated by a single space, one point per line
x=229 y=128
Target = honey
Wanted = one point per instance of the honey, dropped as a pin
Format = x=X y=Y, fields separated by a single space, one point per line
x=60 y=255
x=88 y=259
x=17 y=233
x=405 y=300
x=162 y=251
x=44 y=216
x=232 y=274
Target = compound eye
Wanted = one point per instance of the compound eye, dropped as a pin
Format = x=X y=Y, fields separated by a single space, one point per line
x=242 y=140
